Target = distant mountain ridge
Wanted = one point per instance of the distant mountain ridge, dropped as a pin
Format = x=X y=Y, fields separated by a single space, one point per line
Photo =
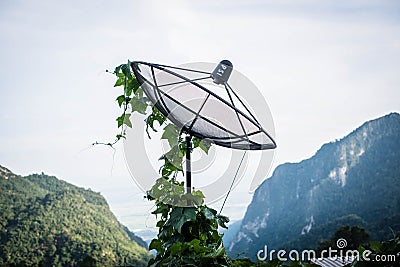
x=48 y=222
x=352 y=181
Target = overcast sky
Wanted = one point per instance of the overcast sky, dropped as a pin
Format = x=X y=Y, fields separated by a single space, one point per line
x=324 y=67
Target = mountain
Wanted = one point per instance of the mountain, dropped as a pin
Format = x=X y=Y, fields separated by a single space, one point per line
x=352 y=181
x=230 y=233
x=48 y=222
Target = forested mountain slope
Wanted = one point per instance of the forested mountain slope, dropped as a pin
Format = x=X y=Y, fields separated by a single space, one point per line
x=46 y=221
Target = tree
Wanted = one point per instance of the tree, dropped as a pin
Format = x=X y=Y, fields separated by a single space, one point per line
x=354 y=237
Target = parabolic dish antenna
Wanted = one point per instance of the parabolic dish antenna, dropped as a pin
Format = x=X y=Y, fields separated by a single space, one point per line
x=211 y=110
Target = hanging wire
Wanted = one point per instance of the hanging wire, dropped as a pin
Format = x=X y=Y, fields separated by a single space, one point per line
x=233 y=181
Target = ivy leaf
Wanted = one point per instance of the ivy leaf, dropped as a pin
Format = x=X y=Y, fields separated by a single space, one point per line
x=155 y=115
x=158 y=190
x=124 y=119
x=120 y=100
x=203 y=144
x=179 y=216
x=198 y=193
x=117 y=69
x=119 y=136
x=168 y=168
x=217 y=252
x=160 y=224
x=210 y=213
x=193 y=199
x=155 y=244
x=162 y=209
x=175 y=239
x=120 y=120
x=126 y=70
x=176 y=249
x=127 y=120
x=120 y=81
x=138 y=105
x=222 y=221
x=170 y=134
x=132 y=85
x=128 y=91
x=197 y=247
x=175 y=157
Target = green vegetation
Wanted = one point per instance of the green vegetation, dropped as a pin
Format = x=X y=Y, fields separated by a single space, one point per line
x=188 y=229
x=388 y=250
x=354 y=236
x=49 y=222
x=188 y=236
x=385 y=253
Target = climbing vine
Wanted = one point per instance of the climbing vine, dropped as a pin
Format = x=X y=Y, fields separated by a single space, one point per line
x=188 y=229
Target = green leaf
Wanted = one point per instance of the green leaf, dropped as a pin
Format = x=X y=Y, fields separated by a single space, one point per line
x=222 y=221
x=126 y=70
x=138 y=105
x=128 y=91
x=117 y=69
x=198 y=193
x=210 y=213
x=174 y=157
x=127 y=120
x=193 y=199
x=120 y=120
x=376 y=246
x=203 y=144
x=124 y=119
x=119 y=136
x=155 y=115
x=171 y=134
x=176 y=248
x=197 y=247
x=160 y=224
x=132 y=85
x=120 y=81
x=179 y=216
x=220 y=251
x=155 y=244
x=120 y=99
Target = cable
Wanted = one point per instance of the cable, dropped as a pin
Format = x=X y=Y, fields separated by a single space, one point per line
x=233 y=181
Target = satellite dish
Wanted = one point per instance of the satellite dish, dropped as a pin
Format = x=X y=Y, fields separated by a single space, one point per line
x=204 y=105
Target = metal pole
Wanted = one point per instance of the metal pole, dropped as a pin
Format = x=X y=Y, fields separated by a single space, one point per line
x=188 y=146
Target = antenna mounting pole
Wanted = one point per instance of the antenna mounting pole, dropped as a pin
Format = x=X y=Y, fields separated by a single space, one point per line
x=188 y=145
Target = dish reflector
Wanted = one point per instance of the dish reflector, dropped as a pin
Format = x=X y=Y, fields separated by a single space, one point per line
x=203 y=104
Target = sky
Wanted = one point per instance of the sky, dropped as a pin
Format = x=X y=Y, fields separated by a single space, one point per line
x=324 y=68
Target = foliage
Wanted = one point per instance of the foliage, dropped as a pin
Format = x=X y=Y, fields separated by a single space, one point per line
x=389 y=248
x=245 y=262
x=358 y=239
x=354 y=236
x=188 y=229
x=49 y=222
